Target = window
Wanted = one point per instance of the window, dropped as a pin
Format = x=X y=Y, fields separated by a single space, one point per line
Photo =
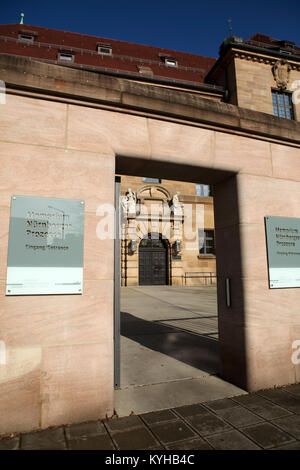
x=282 y=104
x=26 y=37
x=65 y=57
x=151 y=180
x=206 y=240
x=171 y=62
x=104 y=49
x=203 y=190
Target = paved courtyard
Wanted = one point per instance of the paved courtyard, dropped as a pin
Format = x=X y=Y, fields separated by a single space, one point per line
x=169 y=348
x=172 y=329
x=266 y=420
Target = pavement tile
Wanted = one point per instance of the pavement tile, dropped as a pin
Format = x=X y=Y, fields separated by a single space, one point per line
x=232 y=440
x=284 y=399
x=221 y=404
x=267 y=436
x=50 y=439
x=135 y=439
x=294 y=389
x=190 y=410
x=208 y=423
x=290 y=424
x=262 y=407
x=10 y=443
x=194 y=444
x=292 y=446
x=101 y=442
x=158 y=416
x=239 y=416
x=172 y=431
x=123 y=424
x=78 y=431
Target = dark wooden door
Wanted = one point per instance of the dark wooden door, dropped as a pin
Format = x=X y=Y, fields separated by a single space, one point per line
x=153 y=262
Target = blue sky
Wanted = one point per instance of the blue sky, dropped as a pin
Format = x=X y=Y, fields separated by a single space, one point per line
x=191 y=26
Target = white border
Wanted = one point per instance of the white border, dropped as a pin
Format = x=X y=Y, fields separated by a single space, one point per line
x=44 y=280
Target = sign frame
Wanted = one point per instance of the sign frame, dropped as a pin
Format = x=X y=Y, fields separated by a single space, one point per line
x=45 y=246
x=283 y=251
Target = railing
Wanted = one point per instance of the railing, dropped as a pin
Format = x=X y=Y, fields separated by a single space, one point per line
x=200 y=275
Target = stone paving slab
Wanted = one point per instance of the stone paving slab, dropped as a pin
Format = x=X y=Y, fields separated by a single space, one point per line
x=293 y=446
x=10 y=444
x=135 y=439
x=266 y=435
x=231 y=440
x=51 y=439
x=294 y=389
x=158 y=416
x=173 y=431
x=124 y=424
x=282 y=398
x=208 y=423
x=102 y=442
x=267 y=420
x=290 y=424
x=239 y=416
x=261 y=406
x=194 y=444
x=190 y=410
x=84 y=430
x=223 y=404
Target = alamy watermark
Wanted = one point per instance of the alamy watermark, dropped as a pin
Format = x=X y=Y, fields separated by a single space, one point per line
x=2 y=353
x=185 y=221
x=296 y=93
x=2 y=92
x=296 y=354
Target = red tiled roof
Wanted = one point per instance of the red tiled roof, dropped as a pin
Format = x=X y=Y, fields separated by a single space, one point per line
x=261 y=40
x=125 y=58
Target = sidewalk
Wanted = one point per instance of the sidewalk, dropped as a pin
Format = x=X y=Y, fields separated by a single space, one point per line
x=268 y=419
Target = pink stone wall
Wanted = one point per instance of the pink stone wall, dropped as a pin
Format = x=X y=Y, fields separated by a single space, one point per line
x=60 y=348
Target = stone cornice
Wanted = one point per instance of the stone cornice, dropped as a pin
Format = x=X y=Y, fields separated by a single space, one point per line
x=52 y=82
x=237 y=53
x=263 y=59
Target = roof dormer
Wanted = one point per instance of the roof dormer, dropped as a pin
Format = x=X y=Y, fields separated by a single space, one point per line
x=26 y=36
x=168 y=60
x=104 y=49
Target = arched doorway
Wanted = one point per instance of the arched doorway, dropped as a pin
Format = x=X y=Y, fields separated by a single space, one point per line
x=153 y=261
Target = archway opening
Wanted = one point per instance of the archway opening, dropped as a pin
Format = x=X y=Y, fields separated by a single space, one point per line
x=171 y=335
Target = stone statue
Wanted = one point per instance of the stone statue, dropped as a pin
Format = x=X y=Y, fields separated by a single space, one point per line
x=131 y=202
x=177 y=208
x=281 y=70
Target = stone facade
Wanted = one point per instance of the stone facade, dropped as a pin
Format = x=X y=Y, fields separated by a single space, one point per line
x=67 y=133
x=155 y=212
x=250 y=75
x=255 y=80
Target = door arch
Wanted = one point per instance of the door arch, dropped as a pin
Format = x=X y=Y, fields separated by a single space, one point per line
x=153 y=261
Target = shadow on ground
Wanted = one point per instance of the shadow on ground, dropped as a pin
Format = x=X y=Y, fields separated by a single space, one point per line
x=191 y=348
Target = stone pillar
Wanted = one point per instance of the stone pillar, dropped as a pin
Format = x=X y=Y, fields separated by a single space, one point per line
x=59 y=348
x=258 y=329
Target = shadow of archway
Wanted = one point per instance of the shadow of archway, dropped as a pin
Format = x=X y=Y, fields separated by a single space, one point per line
x=197 y=350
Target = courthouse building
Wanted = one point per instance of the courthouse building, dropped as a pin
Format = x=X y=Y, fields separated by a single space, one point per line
x=168 y=238
x=86 y=119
